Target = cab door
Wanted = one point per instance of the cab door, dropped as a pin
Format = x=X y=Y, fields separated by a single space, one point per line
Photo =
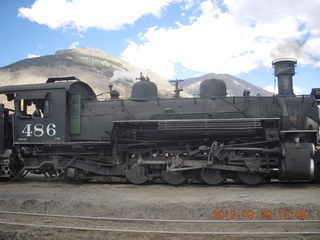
x=40 y=117
x=1 y=128
x=74 y=114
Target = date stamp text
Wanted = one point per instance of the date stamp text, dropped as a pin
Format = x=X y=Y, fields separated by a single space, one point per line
x=260 y=215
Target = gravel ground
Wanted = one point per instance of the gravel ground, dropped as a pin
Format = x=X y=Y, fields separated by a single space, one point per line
x=156 y=200
x=160 y=201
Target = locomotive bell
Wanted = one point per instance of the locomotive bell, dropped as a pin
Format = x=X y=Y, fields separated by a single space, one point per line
x=284 y=69
x=213 y=87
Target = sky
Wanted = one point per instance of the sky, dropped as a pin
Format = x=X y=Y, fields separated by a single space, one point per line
x=178 y=39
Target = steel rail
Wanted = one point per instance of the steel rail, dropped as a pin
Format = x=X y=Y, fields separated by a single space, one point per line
x=157 y=220
x=156 y=232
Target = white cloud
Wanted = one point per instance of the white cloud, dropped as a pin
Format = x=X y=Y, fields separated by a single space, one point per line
x=74 y=45
x=84 y=14
x=225 y=36
x=31 y=55
x=240 y=37
x=271 y=88
x=296 y=90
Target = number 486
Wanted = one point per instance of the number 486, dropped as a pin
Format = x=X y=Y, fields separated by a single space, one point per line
x=38 y=130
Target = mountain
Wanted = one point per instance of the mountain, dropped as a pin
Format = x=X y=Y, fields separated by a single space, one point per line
x=235 y=86
x=99 y=69
x=92 y=66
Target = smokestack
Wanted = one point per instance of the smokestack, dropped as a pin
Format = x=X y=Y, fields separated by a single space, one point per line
x=284 y=69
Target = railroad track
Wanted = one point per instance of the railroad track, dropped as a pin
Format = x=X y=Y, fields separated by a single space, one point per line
x=82 y=227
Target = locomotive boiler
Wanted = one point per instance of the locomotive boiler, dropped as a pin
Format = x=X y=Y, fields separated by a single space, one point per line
x=60 y=128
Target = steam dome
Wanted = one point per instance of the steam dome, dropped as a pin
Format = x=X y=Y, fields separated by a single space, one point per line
x=144 y=90
x=212 y=88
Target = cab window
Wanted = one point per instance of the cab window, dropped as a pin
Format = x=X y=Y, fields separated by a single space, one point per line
x=32 y=108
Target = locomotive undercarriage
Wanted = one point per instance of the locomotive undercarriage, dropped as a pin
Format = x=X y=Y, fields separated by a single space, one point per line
x=249 y=163
x=138 y=156
x=184 y=161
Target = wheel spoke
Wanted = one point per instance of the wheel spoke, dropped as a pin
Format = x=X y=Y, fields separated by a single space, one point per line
x=135 y=173
x=173 y=178
x=250 y=178
x=211 y=176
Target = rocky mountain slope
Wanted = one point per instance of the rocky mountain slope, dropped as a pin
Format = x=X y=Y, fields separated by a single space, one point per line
x=92 y=66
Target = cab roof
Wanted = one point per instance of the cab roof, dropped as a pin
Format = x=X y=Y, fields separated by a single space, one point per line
x=73 y=86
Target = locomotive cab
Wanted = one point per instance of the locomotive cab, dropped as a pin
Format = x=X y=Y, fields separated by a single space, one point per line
x=47 y=113
x=45 y=118
x=39 y=113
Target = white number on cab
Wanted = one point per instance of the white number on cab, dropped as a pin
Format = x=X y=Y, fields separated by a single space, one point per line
x=38 y=130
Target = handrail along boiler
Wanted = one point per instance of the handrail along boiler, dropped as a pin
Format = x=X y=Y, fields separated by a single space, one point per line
x=60 y=128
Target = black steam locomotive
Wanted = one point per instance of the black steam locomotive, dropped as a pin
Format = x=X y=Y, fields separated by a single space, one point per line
x=60 y=128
